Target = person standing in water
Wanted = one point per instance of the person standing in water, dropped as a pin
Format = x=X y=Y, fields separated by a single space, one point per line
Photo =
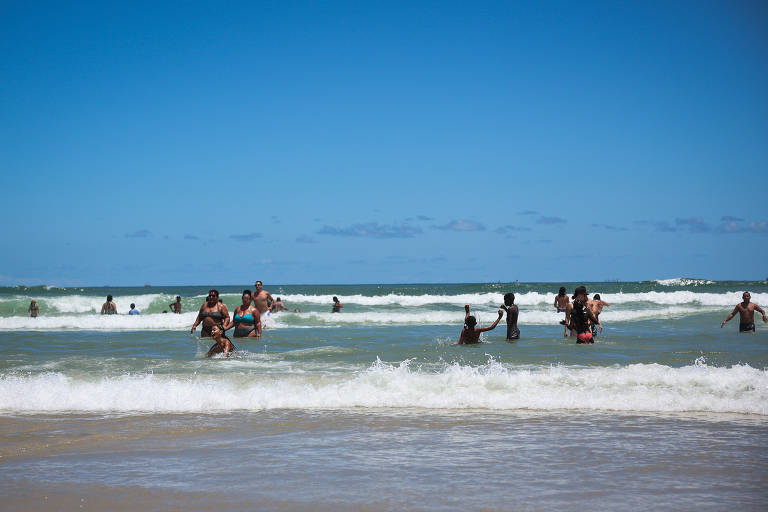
x=34 y=309
x=176 y=306
x=579 y=316
x=277 y=306
x=596 y=305
x=109 y=307
x=246 y=319
x=470 y=334
x=513 y=333
x=133 y=310
x=212 y=312
x=561 y=305
x=262 y=299
x=746 y=311
x=336 y=308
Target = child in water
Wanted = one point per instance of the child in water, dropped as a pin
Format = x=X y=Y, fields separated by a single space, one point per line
x=470 y=333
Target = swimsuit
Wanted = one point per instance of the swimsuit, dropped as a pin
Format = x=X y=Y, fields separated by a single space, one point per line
x=242 y=332
x=561 y=310
x=205 y=331
x=748 y=327
x=594 y=330
x=580 y=322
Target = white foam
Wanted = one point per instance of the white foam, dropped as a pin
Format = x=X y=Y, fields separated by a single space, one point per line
x=493 y=386
x=91 y=304
x=683 y=281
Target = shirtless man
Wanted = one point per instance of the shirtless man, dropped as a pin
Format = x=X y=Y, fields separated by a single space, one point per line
x=176 y=306
x=513 y=333
x=109 y=307
x=596 y=305
x=261 y=298
x=277 y=306
x=746 y=312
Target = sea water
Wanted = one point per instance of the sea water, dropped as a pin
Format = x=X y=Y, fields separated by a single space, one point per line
x=378 y=407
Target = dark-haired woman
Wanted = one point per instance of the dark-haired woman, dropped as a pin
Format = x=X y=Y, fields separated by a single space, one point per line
x=246 y=319
x=223 y=344
x=471 y=333
x=212 y=312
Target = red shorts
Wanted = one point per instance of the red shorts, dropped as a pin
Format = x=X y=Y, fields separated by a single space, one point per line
x=585 y=337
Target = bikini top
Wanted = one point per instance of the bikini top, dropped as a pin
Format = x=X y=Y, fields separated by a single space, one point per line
x=246 y=318
x=212 y=314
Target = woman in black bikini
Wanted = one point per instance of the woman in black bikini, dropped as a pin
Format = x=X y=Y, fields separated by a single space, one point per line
x=212 y=312
x=223 y=344
x=246 y=320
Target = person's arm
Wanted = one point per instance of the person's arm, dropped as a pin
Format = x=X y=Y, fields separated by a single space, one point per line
x=605 y=304
x=466 y=311
x=197 y=320
x=758 y=308
x=568 y=310
x=225 y=320
x=257 y=318
x=461 y=338
x=103 y=308
x=493 y=325
x=733 y=313
x=555 y=304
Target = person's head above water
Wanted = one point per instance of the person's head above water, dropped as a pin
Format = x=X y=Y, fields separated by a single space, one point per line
x=580 y=291
x=213 y=297
x=470 y=322
x=562 y=291
x=746 y=297
x=178 y=298
x=597 y=296
x=133 y=306
x=109 y=298
x=259 y=285
x=335 y=299
x=509 y=299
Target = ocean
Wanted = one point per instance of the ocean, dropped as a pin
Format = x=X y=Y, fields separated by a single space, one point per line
x=378 y=408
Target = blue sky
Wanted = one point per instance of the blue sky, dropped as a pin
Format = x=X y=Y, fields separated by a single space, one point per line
x=364 y=142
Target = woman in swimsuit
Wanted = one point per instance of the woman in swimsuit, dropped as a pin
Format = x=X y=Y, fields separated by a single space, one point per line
x=246 y=320
x=223 y=344
x=212 y=312
x=470 y=334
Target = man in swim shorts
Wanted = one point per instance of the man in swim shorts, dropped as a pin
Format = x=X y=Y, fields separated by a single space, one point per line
x=513 y=333
x=262 y=298
x=746 y=312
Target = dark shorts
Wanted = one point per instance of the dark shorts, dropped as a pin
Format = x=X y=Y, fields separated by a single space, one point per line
x=594 y=330
x=561 y=310
x=750 y=327
x=513 y=334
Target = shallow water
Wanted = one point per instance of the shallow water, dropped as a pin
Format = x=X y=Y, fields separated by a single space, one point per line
x=378 y=407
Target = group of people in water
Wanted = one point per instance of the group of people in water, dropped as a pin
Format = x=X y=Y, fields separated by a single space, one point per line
x=582 y=316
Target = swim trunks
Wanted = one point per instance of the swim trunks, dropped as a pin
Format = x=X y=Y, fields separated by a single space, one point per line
x=594 y=330
x=749 y=327
x=584 y=337
x=561 y=310
x=513 y=334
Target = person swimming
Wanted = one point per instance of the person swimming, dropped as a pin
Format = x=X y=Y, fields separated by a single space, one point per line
x=223 y=344
x=336 y=305
x=246 y=319
x=470 y=334
x=212 y=312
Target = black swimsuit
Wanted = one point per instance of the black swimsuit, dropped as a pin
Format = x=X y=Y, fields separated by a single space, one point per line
x=748 y=327
x=205 y=331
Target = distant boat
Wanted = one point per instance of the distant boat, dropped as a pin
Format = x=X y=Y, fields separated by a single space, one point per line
x=147 y=284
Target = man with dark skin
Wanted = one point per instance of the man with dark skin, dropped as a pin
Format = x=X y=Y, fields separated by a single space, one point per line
x=176 y=306
x=746 y=312
x=513 y=333
x=261 y=297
